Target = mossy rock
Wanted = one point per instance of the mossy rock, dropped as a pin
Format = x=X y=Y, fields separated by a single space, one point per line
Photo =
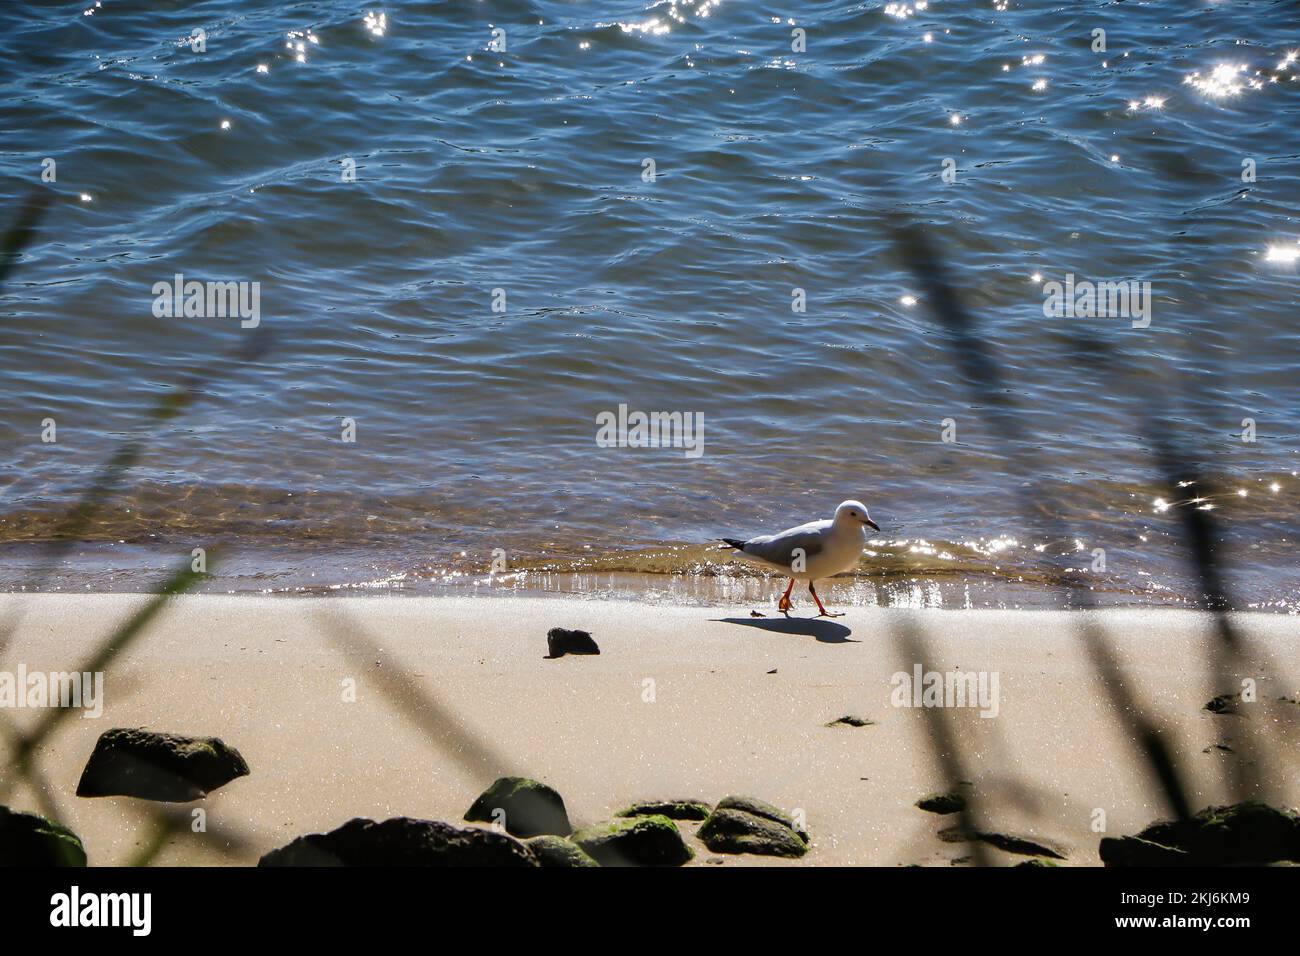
x=634 y=841
x=761 y=808
x=672 y=809
x=172 y=768
x=1243 y=833
x=524 y=807
x=402 y=841
x=736 y=831
x=942 y=803
x=557 y=851
x=30 y=840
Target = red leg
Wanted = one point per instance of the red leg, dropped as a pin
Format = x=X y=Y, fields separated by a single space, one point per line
x=784 y=604
x=824 y=613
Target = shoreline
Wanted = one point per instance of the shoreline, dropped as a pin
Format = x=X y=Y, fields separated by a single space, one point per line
x=682 y=702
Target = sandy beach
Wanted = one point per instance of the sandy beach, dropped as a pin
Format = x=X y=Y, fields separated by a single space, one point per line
x=451 y=693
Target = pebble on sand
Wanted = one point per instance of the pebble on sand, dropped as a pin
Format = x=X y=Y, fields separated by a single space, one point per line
x=943 y=803
x=850 y=720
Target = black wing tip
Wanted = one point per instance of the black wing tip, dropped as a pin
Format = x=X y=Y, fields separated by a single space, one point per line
x=738 y=545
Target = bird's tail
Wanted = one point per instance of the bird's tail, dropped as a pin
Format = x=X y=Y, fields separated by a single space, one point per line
x=733 y=543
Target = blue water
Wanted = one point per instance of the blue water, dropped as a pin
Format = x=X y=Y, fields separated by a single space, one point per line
x=524 y=170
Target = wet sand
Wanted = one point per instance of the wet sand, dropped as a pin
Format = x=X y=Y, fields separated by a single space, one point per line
x=682 y=702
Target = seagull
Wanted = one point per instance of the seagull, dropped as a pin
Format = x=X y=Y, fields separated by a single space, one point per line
x=818 y=549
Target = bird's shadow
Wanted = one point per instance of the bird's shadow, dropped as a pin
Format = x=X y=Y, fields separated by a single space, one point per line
x=826 y=631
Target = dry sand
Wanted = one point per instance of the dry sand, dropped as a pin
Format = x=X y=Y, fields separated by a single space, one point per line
x=682 y=702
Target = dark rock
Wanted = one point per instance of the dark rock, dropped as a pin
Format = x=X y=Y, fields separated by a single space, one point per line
x=672 y=809
x=29 y=840
x=634 y=841
x=1224 y=704
x=1134 y=851
x=735 y=831
x=1036 y=863
x=527 y=808
x=1224 y=748
x=561 y=642
x=1003 y=841
x=1243 y=833
x=153 y=766
x=557 y=851
x=942 y=803
x=760 y=808
x=849 y=720
x=402 y=841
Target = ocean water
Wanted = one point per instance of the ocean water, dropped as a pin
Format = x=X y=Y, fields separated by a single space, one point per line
x=464 y=255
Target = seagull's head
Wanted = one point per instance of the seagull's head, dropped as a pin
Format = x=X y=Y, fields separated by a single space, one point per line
x=854 y=511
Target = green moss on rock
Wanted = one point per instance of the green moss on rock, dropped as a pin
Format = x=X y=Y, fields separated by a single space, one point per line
x=672 y=809
x=634 y=841
x=30 y=840
x=402 y=841
x=735 y=831
x=1242 y=833
x=134 y=762
x=557 y=851
x=526 y=808
x=761 y=808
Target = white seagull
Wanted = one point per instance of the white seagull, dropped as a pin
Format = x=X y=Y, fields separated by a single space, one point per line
x=818 y=549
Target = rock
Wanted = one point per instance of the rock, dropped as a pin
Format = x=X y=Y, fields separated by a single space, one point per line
x=557 y=851
x=1243 y=833
x=672 y=809
x=1134 y=851
x=526 y=808
x=735 y=831
x=1036 y=863
x=561 y=642
x=1222 y=748
x=1224 y=704
x=153 y=766
x=30 y=840
x=942 y=803
x=402 y=841
x=634 y=841
x=1003 y=841
x=760 y=808
x=850 y=720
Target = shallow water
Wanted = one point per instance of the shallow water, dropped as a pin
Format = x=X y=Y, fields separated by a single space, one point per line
x=522 y=171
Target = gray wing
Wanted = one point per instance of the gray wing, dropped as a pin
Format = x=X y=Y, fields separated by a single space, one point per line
x=779 y=548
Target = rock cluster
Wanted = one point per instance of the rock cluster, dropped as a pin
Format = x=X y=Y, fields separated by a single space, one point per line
x=1243 y=833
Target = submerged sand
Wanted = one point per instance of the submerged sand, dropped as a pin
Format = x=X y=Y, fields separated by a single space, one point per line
x=451 y=693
